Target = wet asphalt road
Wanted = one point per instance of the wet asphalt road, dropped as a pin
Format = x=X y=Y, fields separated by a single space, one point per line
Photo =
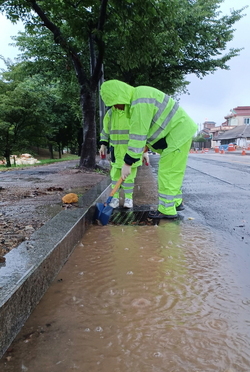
x=218 y=189
x=216 y=193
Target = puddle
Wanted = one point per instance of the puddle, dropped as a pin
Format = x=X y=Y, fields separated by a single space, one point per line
x=79 y=190
x=49 y=210
x=141 y=298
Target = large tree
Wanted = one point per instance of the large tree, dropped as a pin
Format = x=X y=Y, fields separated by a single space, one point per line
x=21 y=116
x=36 y=110
x=145 y=42
x=82 y=22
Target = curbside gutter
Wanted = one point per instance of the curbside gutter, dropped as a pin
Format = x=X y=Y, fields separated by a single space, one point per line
x=32 y=266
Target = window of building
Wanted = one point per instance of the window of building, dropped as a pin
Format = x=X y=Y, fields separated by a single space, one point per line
x=247 y=121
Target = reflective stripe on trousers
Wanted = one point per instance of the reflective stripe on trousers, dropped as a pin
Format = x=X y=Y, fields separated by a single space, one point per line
x=128 y=183
x=170 y=177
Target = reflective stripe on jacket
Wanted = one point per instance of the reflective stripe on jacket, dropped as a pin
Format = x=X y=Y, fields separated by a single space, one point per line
x=153 y=116
x=116 y=132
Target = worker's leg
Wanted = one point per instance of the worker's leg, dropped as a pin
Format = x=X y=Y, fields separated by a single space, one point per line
x=128 y=188
x=115 y=174
x=129 y=183
x=171 y=172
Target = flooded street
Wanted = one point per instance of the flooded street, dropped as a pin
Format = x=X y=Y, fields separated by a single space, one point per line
x=173 y=297
x=168 y=298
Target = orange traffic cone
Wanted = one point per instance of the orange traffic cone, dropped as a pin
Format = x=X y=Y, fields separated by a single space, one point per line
x=243 y=151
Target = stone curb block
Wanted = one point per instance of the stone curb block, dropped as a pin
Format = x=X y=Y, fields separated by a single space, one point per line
x=32 y=266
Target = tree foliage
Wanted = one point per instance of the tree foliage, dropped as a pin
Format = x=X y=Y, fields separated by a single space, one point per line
x=20 y=117
x=73 y=25
x=147 y=42
x=34 y=111
x=160 y=42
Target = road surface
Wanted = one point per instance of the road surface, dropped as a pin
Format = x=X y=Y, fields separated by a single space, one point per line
x=216 y=193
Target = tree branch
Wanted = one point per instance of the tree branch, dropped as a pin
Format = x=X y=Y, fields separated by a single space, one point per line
x=99 y=42
x=59 y=39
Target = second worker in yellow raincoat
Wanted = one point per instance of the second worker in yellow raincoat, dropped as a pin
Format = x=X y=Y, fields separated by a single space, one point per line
x=115 y=134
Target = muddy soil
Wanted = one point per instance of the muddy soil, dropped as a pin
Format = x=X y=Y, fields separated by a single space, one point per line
x=31 y=196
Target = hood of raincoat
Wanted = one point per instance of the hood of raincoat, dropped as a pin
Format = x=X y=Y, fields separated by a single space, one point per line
x=115 y=92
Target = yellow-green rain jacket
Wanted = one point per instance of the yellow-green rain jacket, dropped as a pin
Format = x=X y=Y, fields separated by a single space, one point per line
x=155 y=118
x=116 y=132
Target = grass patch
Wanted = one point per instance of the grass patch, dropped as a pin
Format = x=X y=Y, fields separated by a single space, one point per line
x=65 y=157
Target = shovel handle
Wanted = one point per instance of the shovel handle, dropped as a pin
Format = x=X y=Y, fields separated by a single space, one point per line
x=117 y=185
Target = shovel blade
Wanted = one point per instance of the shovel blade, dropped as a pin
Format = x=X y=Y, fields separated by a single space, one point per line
x=105 y=215
x=98 y=210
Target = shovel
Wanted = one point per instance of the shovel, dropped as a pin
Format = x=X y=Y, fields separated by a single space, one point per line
x=103 y=210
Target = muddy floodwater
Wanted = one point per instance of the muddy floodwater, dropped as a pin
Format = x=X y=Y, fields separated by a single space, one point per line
x=172 y=297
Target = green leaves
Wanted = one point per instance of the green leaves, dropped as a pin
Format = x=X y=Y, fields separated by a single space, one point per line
x=143 y=39
x=34 y=110
x=142 y=42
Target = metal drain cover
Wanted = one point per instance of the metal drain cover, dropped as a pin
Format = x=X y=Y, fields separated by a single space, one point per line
x=137 y=216
x=131 y=217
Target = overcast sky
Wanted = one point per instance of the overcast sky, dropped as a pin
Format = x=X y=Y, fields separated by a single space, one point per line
x=210 y=98
x=213 y=97
x=8 y=30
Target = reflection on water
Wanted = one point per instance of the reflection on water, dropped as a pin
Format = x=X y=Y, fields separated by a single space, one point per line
x=151 y=298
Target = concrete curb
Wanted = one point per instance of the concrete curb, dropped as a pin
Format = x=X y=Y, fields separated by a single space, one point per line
x=32 y=266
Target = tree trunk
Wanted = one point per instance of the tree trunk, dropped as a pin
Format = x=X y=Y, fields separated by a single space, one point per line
x=51 y=151
x=7 y=151
x=7 y=157
x=88 y=148
x=59 y=151
x=88 y=86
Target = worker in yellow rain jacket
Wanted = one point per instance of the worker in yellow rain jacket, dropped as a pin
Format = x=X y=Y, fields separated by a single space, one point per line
x=156 y=120
x=116 y=134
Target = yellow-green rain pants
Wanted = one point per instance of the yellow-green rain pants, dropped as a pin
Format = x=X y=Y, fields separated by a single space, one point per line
x=128 y=183
x=170 y=177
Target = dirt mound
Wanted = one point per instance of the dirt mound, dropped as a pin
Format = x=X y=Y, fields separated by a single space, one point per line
x=30 y=197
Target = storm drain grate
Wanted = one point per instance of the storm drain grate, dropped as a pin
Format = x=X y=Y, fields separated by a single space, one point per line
x=124 y=217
